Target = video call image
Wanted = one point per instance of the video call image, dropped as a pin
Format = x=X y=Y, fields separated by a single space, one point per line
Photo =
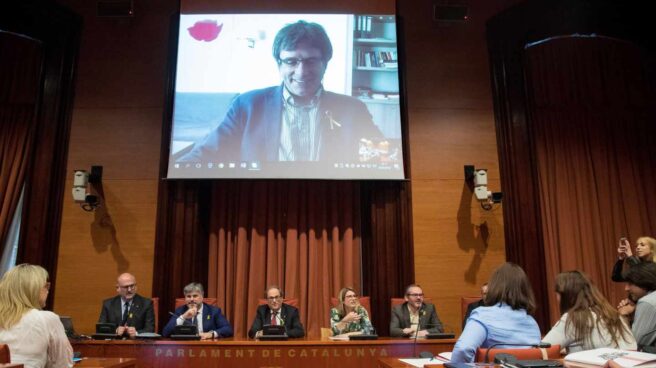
x=303 y=96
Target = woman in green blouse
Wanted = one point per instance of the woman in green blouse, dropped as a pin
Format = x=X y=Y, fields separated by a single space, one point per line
x=349 y=316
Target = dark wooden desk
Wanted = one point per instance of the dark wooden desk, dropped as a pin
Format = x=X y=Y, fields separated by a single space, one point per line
x=226 y=353
x=107 y=363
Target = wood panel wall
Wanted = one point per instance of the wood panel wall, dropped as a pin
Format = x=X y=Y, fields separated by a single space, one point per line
x=117 y=124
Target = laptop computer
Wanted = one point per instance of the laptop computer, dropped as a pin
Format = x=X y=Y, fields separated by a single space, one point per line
x=70 y=330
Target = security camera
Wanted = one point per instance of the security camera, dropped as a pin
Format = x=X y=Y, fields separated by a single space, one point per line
x=81 y=180
x=478 y=179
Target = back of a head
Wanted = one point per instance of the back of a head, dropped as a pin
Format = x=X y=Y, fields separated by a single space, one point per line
x=509 y=285
x=642 y=275
x=579 y=298
x=20 y=290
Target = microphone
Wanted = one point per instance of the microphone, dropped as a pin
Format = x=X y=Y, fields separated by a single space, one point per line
x=541 y=345
x=423 y=354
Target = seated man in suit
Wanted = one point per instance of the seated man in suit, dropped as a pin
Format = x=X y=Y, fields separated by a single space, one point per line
x=209 y=320
x=475 y=305
x=131 y=312
x=414 y=315
x=275 y=312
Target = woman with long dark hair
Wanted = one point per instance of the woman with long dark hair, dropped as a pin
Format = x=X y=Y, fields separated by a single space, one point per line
x=588 y=321
x=505 y=320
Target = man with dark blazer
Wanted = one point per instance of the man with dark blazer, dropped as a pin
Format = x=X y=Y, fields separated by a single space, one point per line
x=414 y=315
x=131 y=312
x=210 y=321
x=275 y=312
x=475 y=305
x=297 y=120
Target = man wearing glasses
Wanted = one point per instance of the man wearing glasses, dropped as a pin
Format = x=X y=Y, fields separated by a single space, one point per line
x=297 y=120
x=275 y=312
x=131 y=312
x=414 y=315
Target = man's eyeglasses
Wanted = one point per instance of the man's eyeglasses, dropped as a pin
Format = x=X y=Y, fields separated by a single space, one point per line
x=128 y=287
x=416 y=295
x=310 y=62
x=274 y=298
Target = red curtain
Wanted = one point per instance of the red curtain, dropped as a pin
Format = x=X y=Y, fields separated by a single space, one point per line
x=592 y=117
x=19 y=91
x=299 y=235
x=311 y=238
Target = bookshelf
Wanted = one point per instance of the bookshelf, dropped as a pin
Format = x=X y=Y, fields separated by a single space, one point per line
x=375 y=70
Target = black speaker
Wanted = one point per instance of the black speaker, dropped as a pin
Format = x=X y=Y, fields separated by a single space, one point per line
x=450 y=13
x=115 y=8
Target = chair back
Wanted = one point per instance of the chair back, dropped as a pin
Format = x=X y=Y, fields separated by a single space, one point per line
x=179 y=302
x=5 y=357
x=365 y=302
x=156 y=312
x=291 y=301
x=552 y=352
x=396 y=301
x=465 y=301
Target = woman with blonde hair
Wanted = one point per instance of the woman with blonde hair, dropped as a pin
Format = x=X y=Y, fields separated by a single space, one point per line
x=349 y=316
x=36 y=338
x=645 y=252
x=588 y=321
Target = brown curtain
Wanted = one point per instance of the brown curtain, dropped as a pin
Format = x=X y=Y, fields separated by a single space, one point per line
x=594 y=128
x=19 y=91
x=300 y=235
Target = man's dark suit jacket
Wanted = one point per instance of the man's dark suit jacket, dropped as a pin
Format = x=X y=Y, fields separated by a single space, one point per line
x=141 y=311
x=428 y=319
x=213 y=320
x=250 y=130
x=470 y=308
x=288 y=314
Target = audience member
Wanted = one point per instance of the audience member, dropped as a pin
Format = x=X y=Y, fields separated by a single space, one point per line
x=475 y=305
x=209 y=320
x=275 y=312
x=349 y=317
x=588 y=321
x=129 y=311
x=414 y=316
x=505 y=318
x=640 y=285
x=645 y=252
x=35 y=337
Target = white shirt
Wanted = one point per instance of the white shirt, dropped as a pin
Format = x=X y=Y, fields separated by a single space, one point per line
x=600 y=337
x=199 y=319
x=38 y=340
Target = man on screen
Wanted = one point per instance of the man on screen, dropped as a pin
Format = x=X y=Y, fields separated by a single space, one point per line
x=296 y=121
